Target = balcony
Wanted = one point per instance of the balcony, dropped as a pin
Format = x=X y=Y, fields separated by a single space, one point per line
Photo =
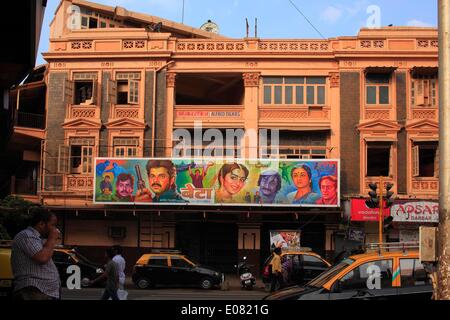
x=376 y=180
x=424 y=113
x=79 y=182
x=425 y=186
x=124 y=112
x=378 y=113
x=317 y=117
x=82 y=111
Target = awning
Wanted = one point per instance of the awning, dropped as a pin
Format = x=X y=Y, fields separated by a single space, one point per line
x=380 y=69
x=424 y=71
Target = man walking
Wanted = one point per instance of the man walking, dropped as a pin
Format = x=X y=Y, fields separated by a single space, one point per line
x=35 y=275
x=276 y=270
x=120 y=261
x=111 y=275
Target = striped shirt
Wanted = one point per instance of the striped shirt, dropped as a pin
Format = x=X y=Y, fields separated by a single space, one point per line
x=27 y=272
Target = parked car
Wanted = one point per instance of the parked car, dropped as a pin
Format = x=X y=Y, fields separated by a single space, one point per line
x=65 y=257
x=6 y=276
x=369 y=276
x=62 y=257
x=172 y=268
x=299 y=267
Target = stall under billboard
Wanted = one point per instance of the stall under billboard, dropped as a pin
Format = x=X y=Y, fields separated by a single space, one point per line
x=285 y=239
x=212 y=181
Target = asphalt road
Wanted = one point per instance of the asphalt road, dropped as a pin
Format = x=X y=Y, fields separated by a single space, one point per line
x=169 y=294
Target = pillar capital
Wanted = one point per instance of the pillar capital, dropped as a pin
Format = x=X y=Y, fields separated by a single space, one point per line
x=171 y=79
x=251 y=79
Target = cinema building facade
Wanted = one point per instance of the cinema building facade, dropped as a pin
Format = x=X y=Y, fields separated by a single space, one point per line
x=120 y=84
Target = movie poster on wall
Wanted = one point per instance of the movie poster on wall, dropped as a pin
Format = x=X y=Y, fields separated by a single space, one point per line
x=285 y=239
x=213 y=181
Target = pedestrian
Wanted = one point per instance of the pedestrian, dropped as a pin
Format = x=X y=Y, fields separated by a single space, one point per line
x=276 y=270
x=35 y=275
x=111 y=275
x=121 y=264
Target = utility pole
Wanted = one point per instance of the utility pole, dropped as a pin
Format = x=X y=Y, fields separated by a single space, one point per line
x=380 y=214
x=442 y=292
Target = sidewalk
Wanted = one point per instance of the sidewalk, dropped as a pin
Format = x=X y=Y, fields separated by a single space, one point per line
x=232 y=282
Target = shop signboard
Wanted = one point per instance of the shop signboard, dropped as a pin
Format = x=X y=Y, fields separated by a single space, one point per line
x=415 y=211
x=360 y=211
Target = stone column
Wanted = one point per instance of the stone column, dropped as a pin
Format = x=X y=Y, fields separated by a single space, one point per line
x=251 y=83
x=170 y=104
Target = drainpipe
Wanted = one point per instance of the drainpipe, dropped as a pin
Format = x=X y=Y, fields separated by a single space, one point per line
x=156 y=70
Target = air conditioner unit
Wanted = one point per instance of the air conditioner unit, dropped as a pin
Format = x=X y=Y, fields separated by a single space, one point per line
x=117 y=232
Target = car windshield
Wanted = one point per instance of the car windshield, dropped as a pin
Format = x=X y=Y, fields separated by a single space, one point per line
x=330 y=273
x=78 y=256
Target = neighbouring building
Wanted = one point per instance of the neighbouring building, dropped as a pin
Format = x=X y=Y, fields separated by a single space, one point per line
x=121 y=82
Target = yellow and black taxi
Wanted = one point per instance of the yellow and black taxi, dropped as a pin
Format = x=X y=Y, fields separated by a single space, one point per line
x=379 y=275
x=6 y=276
x=298 y=267
x=171 y=268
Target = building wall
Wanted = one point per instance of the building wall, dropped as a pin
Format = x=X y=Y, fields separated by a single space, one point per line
x=148 y=113
x=401 y=143
x=350 y=115
x=56 y=112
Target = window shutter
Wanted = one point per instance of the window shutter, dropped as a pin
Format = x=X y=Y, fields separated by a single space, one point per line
x=86 y=159
x=112 y=91
x=133 y=91
x=68 y=91
x=436 y=163
x=420 y=92
x=94 y=91
x=415 y=161
x=63 y=159
x=391 y=160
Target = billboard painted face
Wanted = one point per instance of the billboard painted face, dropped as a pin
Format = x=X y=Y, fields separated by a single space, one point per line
x=285 y=239
x=211 y=181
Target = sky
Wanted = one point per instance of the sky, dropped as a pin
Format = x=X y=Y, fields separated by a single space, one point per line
x=276 y=18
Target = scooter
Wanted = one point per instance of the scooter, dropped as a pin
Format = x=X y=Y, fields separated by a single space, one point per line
x=248 y=281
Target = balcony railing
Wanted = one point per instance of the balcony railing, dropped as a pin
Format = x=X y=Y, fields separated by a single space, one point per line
x=30 y=120
x=425 y=185
x=80 y=111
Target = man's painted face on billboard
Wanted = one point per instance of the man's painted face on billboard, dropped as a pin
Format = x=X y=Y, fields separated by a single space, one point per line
x=268 y=185
x=159 y=180
x=125 y=188
x=328 y=189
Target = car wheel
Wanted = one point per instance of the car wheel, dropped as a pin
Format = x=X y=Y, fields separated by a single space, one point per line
x=143 y=283
x=206 y=283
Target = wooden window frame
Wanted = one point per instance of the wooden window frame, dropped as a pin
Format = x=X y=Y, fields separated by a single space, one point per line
x=303 y=85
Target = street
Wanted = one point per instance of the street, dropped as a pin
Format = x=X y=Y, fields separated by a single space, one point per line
x=168 y=294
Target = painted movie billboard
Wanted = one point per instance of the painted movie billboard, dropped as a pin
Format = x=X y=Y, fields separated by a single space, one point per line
x=212 y=181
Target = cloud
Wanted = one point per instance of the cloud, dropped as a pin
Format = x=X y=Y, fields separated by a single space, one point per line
x=418 y=23
x=331 y=14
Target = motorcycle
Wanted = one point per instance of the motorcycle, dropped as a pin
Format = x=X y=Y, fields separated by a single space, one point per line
x=248 y=281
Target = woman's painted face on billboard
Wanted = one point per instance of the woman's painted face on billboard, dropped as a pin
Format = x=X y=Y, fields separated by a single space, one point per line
x=234 y=181
x=300 y=178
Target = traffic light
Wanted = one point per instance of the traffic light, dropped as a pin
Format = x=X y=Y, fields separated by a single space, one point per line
x=373 y=202
x=387 y=223
x=388 y=201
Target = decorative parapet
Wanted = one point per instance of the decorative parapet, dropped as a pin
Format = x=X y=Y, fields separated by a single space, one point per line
x=335 y=79
x=171 y=79
x=251 y=79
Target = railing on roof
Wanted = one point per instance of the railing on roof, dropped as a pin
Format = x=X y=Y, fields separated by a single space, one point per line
x=392 y=246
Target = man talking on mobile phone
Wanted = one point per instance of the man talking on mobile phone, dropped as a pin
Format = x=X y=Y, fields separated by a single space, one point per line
x=35 y=275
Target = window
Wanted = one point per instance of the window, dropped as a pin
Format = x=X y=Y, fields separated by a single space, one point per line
x=424 y=91
x=158 y=261
x=358 y=278
x=377 y=88
x=425 y=157
x=128 y=88
x=82 y=90
x=77 y=158
x=294 y=90
x=125 y=147
x=378 y=159
x=412 y=273
x=311 y=261
x=178 y=262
